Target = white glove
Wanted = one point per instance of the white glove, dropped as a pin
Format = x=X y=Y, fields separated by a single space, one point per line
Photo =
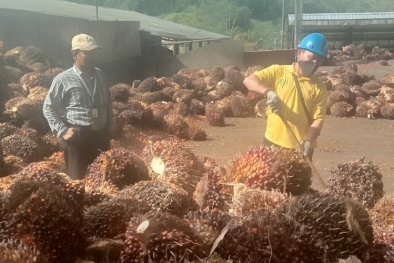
x=307 y=147
x=273 y=101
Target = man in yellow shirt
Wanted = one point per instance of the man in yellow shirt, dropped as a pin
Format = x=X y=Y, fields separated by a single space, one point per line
x=296 y=93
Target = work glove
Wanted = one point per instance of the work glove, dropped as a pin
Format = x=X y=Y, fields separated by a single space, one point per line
x=307 y=148
x=273 y=101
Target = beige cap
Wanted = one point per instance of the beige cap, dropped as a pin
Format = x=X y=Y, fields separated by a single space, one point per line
x=83 y=42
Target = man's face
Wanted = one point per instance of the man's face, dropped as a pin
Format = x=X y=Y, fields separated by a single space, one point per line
x=306 y=55
x=86 y=58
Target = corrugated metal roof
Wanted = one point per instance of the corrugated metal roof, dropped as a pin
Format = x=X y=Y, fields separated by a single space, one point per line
x=345 y=16
x=154 y=25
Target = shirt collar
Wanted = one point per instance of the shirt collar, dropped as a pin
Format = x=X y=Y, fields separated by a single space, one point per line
x=79 y=72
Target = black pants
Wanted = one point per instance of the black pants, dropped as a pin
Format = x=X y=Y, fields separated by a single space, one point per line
x=81 y=150
x=269 y=143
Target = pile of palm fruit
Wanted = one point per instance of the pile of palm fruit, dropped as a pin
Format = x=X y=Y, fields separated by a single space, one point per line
x=150 y=199
x=360 y=53
x=361 y=95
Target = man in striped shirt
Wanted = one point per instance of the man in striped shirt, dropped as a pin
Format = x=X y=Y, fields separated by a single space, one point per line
x=78 y=108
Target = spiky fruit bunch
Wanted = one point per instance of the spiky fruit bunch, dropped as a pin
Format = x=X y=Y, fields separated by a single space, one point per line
x=169 y=161
x=381 y=253
x=208 y=223
x=22 y=147
x=388 y=80
x=183 y=81
x=38 y=67
x=194 y=130
x=241 y=106
x=246 y=200
x=217 y=74
x=96 y=194
x=168 y=93
x=27 y=108
x=159 y=110
x=149 y=85
x=225 y=105
x=176 y=125
x=44 y=219
x=11 y=74
x=161 y=237
x=388 y=93
x=342 y=109
x=119 y=167
x=210 y=191
x=335 y=97
x=51 y=144
x=148 y=97
x=120 y=92
x=251 y=239
x=325 y=228
x=359 y=180
x=6 y=130
x=13 y=251
x=12 y=165
x=383 y=211
x=183 y=95
x=34 y=79
x=214 y=115
x=261 y=108
x=197 y=107
x=271 y=168
x=37 y=123
x=160 y=196
x=387 y=111
x=235 y=79
x=369 y=108
x=137 y=114
x=31 y=55
x=223 y=89
x=251 y=70
x=109 y=218
x=372 y=88
x=180 y=108
x=198 y=86
x=53 y=72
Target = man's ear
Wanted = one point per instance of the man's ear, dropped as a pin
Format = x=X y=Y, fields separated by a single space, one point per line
x=75 y=53
x=299 y=53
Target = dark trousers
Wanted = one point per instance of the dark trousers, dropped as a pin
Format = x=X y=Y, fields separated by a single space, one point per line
x=269 y=143
x=81 y=150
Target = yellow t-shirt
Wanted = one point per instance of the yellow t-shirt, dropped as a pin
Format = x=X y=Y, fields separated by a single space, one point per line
x=280 y=79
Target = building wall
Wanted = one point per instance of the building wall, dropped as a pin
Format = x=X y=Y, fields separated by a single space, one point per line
x=53 y=34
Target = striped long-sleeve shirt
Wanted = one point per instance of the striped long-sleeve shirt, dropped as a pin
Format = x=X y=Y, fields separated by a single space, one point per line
x=72 y=97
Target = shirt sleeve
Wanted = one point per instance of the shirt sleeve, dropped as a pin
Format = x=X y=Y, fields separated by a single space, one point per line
x=321 y=102
x=268 y=75
x=51 y=108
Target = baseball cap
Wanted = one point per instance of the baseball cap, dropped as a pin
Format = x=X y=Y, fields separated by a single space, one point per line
x=83 y=42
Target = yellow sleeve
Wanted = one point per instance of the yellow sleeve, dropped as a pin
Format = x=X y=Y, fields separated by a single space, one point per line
x=268 y=75
x=321 y=102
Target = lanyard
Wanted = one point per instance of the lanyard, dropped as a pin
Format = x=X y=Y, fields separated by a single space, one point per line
x=91 y=92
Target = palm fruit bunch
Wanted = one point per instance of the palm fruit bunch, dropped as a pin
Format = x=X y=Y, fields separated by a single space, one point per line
x=168 y=161
x=148 y=85
x=214 y=115
x=359 y=180
x=95 y=194
x=159 y=110
x=381 y=253
x=215 y=258
x=372 y=88
x=51 y=144
x=210 y=192
x=324 y=228
x=342 y=109
x=225 y=106
x=176 y=125
x=160 y=196
x=197 y=107
x=12 y=165
x=183 y=81
x=109 y=218
x=120 y=167
x=368 y=109
x=251 y=239
x=120 y=92
x=194 y=131
x=241 y=106
x=11 y=74
x=261 y=108
x=223 y=89
x=160 y=237
x=183 y=95
x=388 y=80
x=271 y=168
x=38 y=67
x=387 y=111
x=13 y=251
x=246 y=200
x=208 y=223
x=41 y=216
x=31 y=55
x=253 y=69
x=21 y=146
x=235 y=79
x=180 y=108
x=383 y=211
x=27 y=109
x=216 y=74
x=147 y=97
x=137 y=114
x=53 y=72
x=34 y=79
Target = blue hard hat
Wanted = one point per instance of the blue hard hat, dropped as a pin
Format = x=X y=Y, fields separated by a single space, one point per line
x=315 y=43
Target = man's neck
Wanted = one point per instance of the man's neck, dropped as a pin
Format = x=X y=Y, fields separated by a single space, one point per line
x=86 y=70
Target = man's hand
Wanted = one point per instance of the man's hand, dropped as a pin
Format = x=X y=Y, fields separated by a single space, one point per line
x=273 y=101
x=69 y=134
x=307 y=147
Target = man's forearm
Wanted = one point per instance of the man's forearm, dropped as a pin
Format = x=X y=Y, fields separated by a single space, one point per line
x=54 y=121
x=254 y=84
x=314 y=130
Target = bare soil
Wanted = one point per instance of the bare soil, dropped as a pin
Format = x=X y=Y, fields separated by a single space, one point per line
x=342 y=139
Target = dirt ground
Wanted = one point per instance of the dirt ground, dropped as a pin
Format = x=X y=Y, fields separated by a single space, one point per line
x=342 y=140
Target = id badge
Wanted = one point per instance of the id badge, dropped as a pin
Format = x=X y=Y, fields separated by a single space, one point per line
x=94 y=113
